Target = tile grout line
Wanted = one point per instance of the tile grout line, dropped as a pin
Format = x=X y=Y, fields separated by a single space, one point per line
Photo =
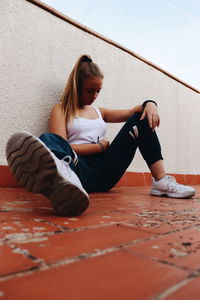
x=159 y=260
x=82 y=256
x=5 y=241
x=174 y=288
x=131 y=226
x=45 y=266
x=15 y=237
x=68 y=229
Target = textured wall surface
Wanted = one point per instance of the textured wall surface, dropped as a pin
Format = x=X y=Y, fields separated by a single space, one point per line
x=38 y=51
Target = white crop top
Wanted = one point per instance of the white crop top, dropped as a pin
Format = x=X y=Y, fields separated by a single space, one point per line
x=84 y=131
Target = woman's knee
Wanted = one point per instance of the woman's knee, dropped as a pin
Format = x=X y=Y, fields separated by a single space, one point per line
x=136 y=115
x=133 y=120
x=43 y=136
x=49 y=137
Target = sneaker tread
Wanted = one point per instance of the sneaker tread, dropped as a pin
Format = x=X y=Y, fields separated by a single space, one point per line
x=35 y=169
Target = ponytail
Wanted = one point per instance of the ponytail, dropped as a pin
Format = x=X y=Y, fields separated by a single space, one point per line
x=84 y=68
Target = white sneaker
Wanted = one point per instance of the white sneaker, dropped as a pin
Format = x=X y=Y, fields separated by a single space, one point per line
x=38 y=170
x=168 y=186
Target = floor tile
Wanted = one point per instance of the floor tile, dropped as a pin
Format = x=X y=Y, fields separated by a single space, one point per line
x=189 y=291
x=17 y=227
x=117 y=275
x=13 y=261
x=126 y=245
x=181 y=248
x=100 y=219
x=160 y=222
x=71 y=244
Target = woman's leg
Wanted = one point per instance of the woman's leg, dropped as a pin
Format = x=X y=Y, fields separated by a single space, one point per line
x=120 y=154
x=59 y=146
x=39 y=170
x=85 y=170
x=84 y=167
x=157 y=170
x=101 y=172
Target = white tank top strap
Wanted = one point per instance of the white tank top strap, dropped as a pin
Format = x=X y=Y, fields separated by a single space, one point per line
x=98 y=111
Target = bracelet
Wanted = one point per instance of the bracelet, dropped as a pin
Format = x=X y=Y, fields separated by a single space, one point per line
x=147 y=101
x=101 y=146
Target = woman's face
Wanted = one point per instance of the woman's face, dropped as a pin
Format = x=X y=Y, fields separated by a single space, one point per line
x=89 y=90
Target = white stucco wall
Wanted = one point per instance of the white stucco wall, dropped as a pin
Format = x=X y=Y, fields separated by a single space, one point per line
x=38 y=51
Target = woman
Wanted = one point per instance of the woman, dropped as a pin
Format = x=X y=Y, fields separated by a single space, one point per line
x=74 y=159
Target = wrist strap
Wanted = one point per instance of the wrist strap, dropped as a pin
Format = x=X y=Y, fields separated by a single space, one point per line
x=101 y=146
x=147 y=101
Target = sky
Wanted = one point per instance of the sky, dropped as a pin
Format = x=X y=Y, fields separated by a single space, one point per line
x=166 y=32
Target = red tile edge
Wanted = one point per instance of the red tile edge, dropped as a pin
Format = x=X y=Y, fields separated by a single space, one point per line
x=136 y=179
x=128 y=179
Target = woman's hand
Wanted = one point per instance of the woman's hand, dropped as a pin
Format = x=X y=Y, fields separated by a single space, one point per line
x=105 y=144
x=152 y=115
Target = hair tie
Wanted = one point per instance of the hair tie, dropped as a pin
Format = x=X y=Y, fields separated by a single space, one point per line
x=86 y=58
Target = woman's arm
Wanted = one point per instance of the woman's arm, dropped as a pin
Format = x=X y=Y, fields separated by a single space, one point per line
x=57 y=125
x=118 y=115
x=57 y=122
x=122 y=115
x=89 y=149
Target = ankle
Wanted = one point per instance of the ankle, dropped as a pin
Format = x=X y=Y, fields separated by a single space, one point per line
x=159 y=177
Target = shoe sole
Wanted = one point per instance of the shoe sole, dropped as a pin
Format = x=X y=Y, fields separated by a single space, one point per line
x=34 y=168
x=172 y=195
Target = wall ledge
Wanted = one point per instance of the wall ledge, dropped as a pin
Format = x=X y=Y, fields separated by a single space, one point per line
x=7 y=180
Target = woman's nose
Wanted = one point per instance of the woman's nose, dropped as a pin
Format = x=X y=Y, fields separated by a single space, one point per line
x=94 y=95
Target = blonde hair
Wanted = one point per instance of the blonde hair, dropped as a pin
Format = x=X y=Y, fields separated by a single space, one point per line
x=84 y=68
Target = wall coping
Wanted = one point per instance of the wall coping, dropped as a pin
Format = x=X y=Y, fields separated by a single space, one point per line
x=109 y=41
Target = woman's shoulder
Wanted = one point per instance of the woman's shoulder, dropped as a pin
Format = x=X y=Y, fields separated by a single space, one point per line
x=102 y=111
x=57 y=110
x=57 y=106
x=98 y=110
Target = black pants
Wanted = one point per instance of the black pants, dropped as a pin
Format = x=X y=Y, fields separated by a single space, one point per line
x=100 y=172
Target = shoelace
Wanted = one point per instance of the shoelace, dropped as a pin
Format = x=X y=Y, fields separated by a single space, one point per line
x=172 y=184
x=67 y=159
x=75 y=160
x=64 y=165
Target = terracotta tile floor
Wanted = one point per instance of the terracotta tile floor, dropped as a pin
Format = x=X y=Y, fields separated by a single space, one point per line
x=127 y=245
